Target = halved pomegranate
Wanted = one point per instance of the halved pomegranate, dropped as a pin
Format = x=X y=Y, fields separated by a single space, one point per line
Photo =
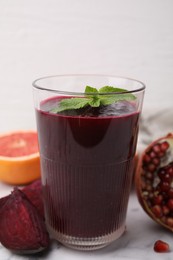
x=154 y=181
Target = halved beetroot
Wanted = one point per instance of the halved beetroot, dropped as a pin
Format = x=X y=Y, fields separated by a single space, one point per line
x=33 y=191
x=22 y=228
x=154 y=181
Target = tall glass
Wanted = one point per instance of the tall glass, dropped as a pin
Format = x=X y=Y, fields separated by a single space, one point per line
x=87 y=157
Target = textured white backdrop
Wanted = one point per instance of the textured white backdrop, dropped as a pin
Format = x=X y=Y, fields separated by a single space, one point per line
x=132 y=38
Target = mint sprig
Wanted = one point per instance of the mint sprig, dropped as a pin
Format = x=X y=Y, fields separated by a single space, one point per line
x=94 y=98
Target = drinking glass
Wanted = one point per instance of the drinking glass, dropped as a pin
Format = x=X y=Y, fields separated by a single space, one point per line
x=87 y=155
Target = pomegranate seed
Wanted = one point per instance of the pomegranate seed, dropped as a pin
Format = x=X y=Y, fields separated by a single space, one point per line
x=150 y=195
x=165 y=172
x=170 y=204
x=157 y=200
x=161 y=154
x=144 y=166
x=164 y=146
x=151 y=167
x=146 y=158
x=156 y=148
x=149 y=175
x=164 y=186
x=161 y=247
x=170 y=170
x=170 y=193
x=167 y=178
x=148 y=187
x=152 y=154
x=161 y=173
x=165 y=210
x=156 y=161
x=157 y=211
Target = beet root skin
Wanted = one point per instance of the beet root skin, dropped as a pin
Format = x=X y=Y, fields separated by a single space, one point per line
x=34 y=193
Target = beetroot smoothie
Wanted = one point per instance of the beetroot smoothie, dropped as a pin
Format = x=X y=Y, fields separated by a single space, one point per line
x=87 y=165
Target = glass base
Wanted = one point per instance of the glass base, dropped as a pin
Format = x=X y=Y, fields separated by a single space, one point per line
x=86 y=244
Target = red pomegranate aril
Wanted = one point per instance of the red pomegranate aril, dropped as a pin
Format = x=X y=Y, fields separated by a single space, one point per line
x=149 y=175
x=164 y=146
x=167 y=178
x=165 y=210
x=147 y=158
x=157 y=210
x=164 y=186
x=156 y=148
x=150 y=195
x=157 y=200
x=151 y=167
x=152 y=154
x=161 y=154
x=170 y=170
x=170 y=193
x=156 y=161
x=170 y=204
x=161 y=247
x=161 y=173
x=148 y=187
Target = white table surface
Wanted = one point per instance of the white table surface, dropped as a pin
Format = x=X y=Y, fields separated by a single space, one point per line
x=136 y=243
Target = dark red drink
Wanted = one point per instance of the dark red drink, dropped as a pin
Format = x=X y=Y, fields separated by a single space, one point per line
x=87 y=165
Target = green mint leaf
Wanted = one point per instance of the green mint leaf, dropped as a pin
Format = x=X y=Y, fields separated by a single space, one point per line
x=112 y=98
x=109 y=89
x=108 y=100
x=94 y=102
x=94 y=98
x=93 y=94
x=71 y=103
x=90 y=90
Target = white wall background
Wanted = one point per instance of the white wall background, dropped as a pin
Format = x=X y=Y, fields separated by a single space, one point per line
x=132 y=38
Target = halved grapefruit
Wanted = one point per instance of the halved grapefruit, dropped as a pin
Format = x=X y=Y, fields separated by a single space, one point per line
x=19 y=157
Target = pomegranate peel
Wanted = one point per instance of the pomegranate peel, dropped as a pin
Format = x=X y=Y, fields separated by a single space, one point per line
x=154 y=181
x=22 y=229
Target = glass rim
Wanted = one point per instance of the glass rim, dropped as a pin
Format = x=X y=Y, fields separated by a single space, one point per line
x=37 y=86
